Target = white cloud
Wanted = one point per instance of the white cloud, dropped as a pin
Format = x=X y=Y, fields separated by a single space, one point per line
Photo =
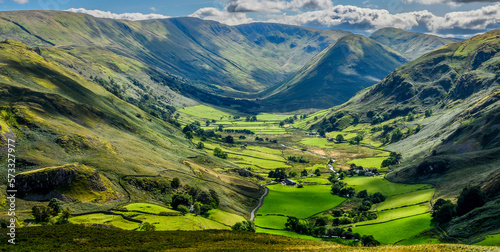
x=21 y=1
x=126 y=16
x=450 y=2
x=276 y=6
x=229 y=18
x=153 y=8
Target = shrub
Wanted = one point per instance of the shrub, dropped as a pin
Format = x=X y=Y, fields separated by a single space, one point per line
x=247 y=226
x=183 y=209
x=219 y=153
x=41 y=212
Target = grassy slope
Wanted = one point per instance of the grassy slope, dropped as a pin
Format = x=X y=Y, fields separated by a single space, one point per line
x=116 y=141
x=354 y=62
x=196 y=49
x=410 y=44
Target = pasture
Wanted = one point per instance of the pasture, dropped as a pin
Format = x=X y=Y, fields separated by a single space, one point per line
x=397 y=230
x=379 y=184
x=299 y=202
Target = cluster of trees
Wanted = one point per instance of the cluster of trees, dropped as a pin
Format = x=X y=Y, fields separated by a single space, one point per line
x=393 y=159
x=319 y=229
x=147 y=102
x=352 y=216
x=297 y=159
x=292 y=119
x=356 y=139
x=219 y=153
x=202 y=201
x=278 y=173
x=247 y=226
x=251 y=119
x=470 y=198
x=243 y=131
x=42 y=213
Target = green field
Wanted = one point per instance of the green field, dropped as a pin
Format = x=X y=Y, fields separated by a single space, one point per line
x=148 y=208
x=406 y=199
x=277 y=222
x=204 y=112
x=287 y=233
x=490 y=240
x=106 y=219
x=299 y=202
x=379 y=184
x=373 y=162
x=397 y=230
x=188 y=222
x=223 y=217
x=398 y=213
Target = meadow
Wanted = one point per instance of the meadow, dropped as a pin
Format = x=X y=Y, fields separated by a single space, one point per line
x=379 y=184
x=394 y=231
x=299 y=202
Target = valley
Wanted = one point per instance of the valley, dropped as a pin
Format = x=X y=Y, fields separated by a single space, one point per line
x=191 y=134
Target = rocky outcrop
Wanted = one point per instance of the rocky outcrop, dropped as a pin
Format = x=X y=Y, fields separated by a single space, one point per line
x=58 y=182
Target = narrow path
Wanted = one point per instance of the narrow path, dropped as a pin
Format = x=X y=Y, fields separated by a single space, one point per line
x=261 y=201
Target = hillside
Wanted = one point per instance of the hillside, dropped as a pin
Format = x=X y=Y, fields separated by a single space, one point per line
x=230 y=60
x=354 y=62
x=86 y=139
x=440 y=112
x=410 y=44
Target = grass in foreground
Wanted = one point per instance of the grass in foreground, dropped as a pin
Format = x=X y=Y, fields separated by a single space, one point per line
x=79 y=238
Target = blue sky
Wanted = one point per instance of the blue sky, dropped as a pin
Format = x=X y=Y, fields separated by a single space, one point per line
x=460 y=18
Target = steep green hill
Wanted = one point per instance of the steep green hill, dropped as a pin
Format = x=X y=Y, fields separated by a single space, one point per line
x=452 y=136
x=236 y=60
x=410 y=44
x=75 y=132
x=354 y=62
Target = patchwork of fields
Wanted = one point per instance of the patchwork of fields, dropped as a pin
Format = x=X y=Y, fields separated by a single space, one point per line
x=402 y=218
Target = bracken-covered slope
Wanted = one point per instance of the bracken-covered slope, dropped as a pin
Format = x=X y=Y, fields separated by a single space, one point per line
x=410 y=44
x=354 y=62
x=85 y=139
x=236 y=60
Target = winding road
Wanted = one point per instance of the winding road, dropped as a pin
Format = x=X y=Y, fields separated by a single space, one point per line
x=261 y=201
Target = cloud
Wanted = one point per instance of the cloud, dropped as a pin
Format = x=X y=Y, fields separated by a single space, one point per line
x=229 y=18
x=21 y=1
x=153 y=8
x=126 y=16
x=276 y=6
x=450 y=2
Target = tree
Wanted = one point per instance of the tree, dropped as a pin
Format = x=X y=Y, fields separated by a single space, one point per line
x=339 y=138
x=41 y=212
x=189 y=135
x=221 y=128
x=410 y=117
x=186 y=129
x=197 y=208
x=428 y=113
x=470 y=198
x=200 y=145
x=219 y=153
x=321 y=132
x=183 y=209
x=146 y=226
x=333 y=177
x=242 y=137
x=303 y=173
x=292 y=174
x=179 y=199
x=282 y=124
x=396 y=135
x=362 y=194
x=358 y=139
x=247 y=226
x=317 y=172
x=445 y=213
x=369 y=241
x=229 y=139
x=66 y=213
x=55 y=204
x=175 y=183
